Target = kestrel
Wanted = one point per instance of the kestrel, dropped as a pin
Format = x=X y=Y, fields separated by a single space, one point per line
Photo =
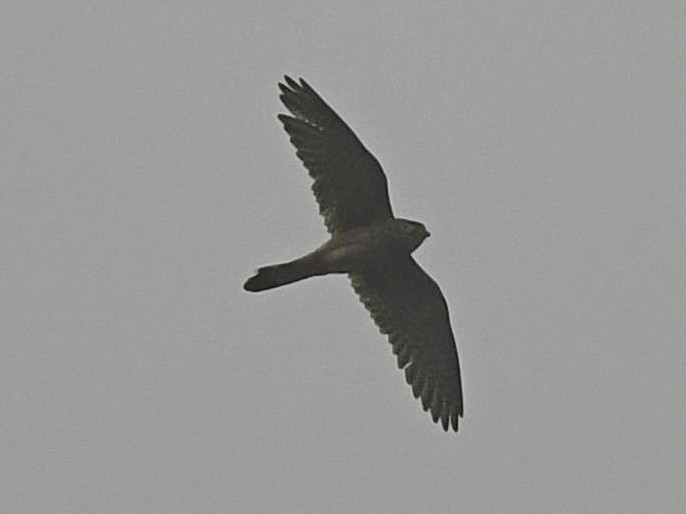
x=373 y=247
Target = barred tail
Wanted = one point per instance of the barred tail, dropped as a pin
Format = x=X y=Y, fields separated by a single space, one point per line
x=278 y=275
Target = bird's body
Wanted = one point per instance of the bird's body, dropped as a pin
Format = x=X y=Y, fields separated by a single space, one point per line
x=345 y=252
x=374 y=248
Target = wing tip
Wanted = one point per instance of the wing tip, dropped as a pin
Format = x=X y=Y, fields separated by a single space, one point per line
x=291 y=88
x=449 y=419
x=291 y=85
x=288 y=82
x=443 y=409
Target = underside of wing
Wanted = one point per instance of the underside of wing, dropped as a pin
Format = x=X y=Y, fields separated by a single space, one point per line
x=407 y=304
x=349 y=184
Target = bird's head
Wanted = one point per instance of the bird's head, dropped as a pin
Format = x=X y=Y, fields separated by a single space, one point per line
x=411 y=233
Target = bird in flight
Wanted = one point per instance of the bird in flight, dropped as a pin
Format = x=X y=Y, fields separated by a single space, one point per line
x=373 y=247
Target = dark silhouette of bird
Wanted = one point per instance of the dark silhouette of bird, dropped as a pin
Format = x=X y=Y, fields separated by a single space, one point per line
x=373 y=247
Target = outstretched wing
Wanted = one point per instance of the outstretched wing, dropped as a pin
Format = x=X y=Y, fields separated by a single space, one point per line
x=407 y=304
x=349 y=184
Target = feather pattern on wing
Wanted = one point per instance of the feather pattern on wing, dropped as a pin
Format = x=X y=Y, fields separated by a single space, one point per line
x=349 y=184
x=408 y=306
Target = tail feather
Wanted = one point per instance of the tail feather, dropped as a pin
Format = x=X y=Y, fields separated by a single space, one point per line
x=277 y=275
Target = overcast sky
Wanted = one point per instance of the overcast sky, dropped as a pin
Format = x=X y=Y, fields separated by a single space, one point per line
x=144 y=176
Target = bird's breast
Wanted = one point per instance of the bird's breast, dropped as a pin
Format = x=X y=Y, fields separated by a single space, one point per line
x=354 y=250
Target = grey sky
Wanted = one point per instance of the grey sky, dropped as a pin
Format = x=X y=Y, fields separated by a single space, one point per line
x=144 y=175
